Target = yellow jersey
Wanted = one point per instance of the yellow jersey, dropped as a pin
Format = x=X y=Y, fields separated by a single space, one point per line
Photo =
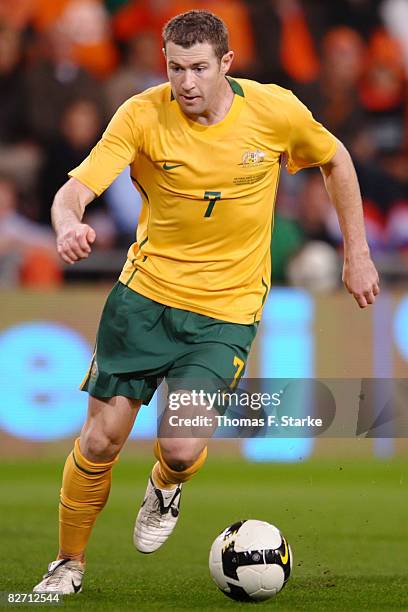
x=204 y=232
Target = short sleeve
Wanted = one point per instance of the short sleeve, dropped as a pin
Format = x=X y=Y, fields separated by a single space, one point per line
x=310 y=144
x=115 y=150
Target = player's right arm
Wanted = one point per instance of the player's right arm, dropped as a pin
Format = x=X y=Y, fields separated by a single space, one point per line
x=114 y=151
x=74 y=238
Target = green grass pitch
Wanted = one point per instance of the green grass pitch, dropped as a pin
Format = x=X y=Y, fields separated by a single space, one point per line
x=345 y=520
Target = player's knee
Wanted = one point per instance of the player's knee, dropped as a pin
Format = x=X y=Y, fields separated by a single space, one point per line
x=99 y=446
x=180 y=465
x=180 y=457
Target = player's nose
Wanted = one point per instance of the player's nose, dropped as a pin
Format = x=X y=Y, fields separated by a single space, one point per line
x=188 y=81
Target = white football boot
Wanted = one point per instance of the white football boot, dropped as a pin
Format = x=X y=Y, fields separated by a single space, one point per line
x=64 y=576
x=157 y=517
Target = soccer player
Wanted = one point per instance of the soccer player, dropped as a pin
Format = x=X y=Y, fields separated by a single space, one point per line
x=205 y=151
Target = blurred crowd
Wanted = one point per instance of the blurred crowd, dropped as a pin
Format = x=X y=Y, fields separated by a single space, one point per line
x=66 y=65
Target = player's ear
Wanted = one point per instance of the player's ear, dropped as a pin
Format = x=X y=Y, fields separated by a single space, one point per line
x=226 y=61
x=164 y=51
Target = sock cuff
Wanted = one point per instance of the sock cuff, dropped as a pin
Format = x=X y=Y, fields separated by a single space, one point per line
x=89 y=467
x=174 y=476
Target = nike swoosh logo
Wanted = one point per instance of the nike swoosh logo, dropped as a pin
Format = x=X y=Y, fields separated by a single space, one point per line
x=285 y=556
x=76 y=587
x=166 y=166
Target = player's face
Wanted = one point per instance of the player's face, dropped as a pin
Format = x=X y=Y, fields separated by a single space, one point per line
x=197 y=77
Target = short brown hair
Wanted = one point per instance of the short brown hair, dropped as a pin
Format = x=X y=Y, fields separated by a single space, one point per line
x=197 y=26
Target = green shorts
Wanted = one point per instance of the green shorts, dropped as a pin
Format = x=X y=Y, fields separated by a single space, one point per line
x=140 y=342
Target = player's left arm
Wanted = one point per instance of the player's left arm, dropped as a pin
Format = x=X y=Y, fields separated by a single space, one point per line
x=360 y=276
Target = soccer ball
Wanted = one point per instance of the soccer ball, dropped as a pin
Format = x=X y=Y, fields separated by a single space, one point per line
x=250 y=561
x=315 y=267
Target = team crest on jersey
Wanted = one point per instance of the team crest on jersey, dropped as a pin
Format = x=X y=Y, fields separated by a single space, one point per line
x=252 y=158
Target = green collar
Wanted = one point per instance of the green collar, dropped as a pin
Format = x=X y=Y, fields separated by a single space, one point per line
x=236 y=87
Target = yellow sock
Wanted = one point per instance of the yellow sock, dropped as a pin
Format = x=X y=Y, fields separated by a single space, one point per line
x=85 y=490
x=164 y=477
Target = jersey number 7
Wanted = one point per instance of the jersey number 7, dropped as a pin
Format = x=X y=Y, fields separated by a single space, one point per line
x=213 y=197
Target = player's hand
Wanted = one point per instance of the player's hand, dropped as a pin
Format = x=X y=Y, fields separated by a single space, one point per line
x=360 y=278
x=74 y=243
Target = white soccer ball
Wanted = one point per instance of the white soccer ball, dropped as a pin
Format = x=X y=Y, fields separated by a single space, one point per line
x=250 y=561
x=316 y=267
